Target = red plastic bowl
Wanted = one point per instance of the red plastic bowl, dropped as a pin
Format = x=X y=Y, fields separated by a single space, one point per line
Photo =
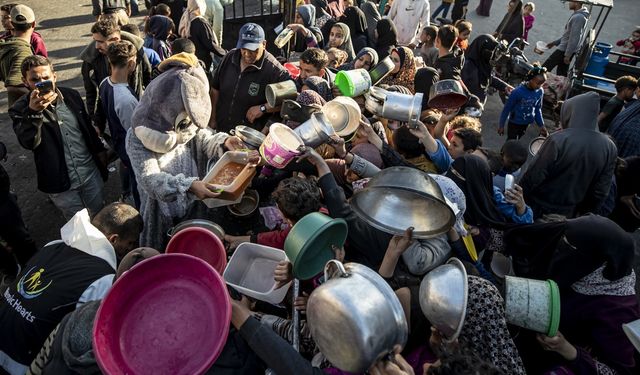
x=201 y=243
x=168 y=315
x=293 y=70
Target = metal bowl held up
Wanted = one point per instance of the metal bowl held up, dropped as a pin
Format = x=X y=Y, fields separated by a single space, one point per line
x=443 y=298
x=355 y=317
x=251 y=137
x=402 y=197
x=247 y=205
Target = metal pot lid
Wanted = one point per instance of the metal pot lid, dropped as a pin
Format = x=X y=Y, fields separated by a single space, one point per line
x=443 y=298
x=249 y=135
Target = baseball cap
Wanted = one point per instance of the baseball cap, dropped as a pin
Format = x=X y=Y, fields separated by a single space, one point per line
x=251 y=36
x=22 y=14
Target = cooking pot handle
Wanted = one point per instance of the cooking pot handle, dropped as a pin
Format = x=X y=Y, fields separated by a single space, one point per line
x=341 y=270
x=232 y=131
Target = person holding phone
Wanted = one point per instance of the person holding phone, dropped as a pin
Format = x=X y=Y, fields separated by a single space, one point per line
x=52 y=122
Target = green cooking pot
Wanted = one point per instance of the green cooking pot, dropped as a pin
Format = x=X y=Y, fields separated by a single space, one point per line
x=309 y=243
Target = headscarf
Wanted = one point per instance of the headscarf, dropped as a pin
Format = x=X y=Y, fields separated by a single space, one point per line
x=512 y=25
x=159 y=27
x=76 y=331
x=188 y=16
x=365 y=51
x=346 y=44
x=373 y=17
x=368 y=152
x=407 y=73
x=356 y=20
x=473 y=177
x=308 y=15
x=387 y=37
x=479 y=53
x=485 y=331
x=134 y=257
x=309 y=97
x=625 y=129
x=569 y=250
x=399 y=89
x=319 y=85
x=424 y=79
x=456 y=200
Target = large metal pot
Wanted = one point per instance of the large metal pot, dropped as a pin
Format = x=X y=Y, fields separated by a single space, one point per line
x=251 y=137
x=374 y=100
x=443 y=298
x=200 y=223
x=316 y=131
x=402 y=107
x=447 y=94
x=402 y=197
x=355 y=317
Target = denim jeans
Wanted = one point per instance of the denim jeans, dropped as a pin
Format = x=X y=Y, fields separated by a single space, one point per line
x=89 y=195
x=444 y=7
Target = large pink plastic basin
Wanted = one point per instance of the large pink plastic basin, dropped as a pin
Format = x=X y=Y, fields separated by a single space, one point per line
x=200 y=243
x=168 y=315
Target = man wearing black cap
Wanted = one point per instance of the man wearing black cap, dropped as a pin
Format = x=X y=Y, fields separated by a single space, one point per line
x=14 y=50
x=238 y=87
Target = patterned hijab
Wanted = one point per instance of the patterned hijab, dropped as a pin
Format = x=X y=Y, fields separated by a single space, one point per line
x=455 y=199
x=485 y=332
x=319 y=85
x=407 y=72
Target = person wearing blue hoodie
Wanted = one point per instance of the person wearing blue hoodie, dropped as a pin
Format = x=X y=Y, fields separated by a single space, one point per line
x=524 y=105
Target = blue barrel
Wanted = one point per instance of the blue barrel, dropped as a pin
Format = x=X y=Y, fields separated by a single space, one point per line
x=598 y=62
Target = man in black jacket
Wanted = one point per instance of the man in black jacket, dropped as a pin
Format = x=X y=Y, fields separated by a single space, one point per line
x=95 y=65
x=53 y=123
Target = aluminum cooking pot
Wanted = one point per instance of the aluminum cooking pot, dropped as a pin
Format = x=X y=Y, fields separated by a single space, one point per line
x=409 y=191
x=447 y=94
x=315 y=131
x=443 y=298
x=200 y=223
x=402 y=107
x=251 y=137
x=374 y=100
x=351 y=331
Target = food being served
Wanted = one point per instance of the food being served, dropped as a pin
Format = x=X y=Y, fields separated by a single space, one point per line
x=228 y=173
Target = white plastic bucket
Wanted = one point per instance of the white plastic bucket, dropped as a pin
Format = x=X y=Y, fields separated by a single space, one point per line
x=353 y=82
x=344 y=115
x=533 y=304
x=280 y=146
x=632 y=330
x=540 y=47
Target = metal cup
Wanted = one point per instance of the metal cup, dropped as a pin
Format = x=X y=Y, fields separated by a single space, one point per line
x=276 y=93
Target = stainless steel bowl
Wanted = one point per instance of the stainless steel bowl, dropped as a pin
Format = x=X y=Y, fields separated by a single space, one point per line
x=200 y=223
x=536 y=145
x=247 y=205
x=402 y=197
x=251 y=137
x=315 y=131
x=443 y=298
x=352 y=332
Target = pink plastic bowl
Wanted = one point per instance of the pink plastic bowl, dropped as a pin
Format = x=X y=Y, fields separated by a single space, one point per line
x=201 y=243
x=168 y=315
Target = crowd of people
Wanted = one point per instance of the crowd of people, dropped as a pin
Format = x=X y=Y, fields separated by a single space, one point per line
x=162 y=102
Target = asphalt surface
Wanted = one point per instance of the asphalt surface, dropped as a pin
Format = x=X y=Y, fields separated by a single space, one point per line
x=65 y=27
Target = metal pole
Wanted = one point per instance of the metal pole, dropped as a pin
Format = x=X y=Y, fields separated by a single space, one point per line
x=295 y=340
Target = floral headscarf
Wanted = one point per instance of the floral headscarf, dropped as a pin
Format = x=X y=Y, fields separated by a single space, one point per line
x=485 y=332
x=319 y=85
x=407 y=73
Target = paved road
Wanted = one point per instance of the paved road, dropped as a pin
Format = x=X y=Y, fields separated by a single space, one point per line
x=65 y=27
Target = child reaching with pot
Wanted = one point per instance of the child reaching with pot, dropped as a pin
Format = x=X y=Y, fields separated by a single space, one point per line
x=524 y=105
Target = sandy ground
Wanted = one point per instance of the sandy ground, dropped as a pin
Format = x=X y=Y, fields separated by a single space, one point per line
x=65 y=27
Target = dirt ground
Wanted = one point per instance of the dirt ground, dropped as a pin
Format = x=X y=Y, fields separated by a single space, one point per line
x=65 y=27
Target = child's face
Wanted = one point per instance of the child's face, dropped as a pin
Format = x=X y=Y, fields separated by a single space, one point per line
x=332 y=60
x=635 y=36
x=464 y=35
x=537 y=82
x=456 y=147
x=6 y=20
x=424 y=37
x=298 y=19
x=336 y=37
x=527 y=10
x=363 y=62
x=627 y=94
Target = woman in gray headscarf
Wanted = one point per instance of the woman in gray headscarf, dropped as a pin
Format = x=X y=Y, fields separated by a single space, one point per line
x=367 y=59
x=373 y=16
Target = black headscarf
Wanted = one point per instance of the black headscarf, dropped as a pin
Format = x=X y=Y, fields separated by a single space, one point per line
x=473 y=176
x=479 y=52
x=425 y=78
x=387 y=37
x=321 y=8
x=357 y=22
x=570 y=250
x=512 y=25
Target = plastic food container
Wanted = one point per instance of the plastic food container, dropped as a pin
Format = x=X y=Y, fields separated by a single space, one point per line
x=250 y=272
x=280 y=146
x=200 y=243
x=533 y=304
x=353 y=82
x=540 y=47
x=235 y=189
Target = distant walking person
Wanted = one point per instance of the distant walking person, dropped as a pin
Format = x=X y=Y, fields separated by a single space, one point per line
x=568 y=44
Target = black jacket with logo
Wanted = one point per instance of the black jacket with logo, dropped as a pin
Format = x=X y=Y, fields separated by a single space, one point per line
x=47 y=289
x=239 y=91
x=40 y=132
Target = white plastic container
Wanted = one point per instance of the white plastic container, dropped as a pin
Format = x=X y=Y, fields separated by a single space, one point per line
x=250 y=272
x=632 y=330
x=233 y=192
x=532 y=304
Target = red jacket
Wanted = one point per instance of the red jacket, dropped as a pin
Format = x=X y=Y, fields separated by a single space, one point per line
x=275 y=238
